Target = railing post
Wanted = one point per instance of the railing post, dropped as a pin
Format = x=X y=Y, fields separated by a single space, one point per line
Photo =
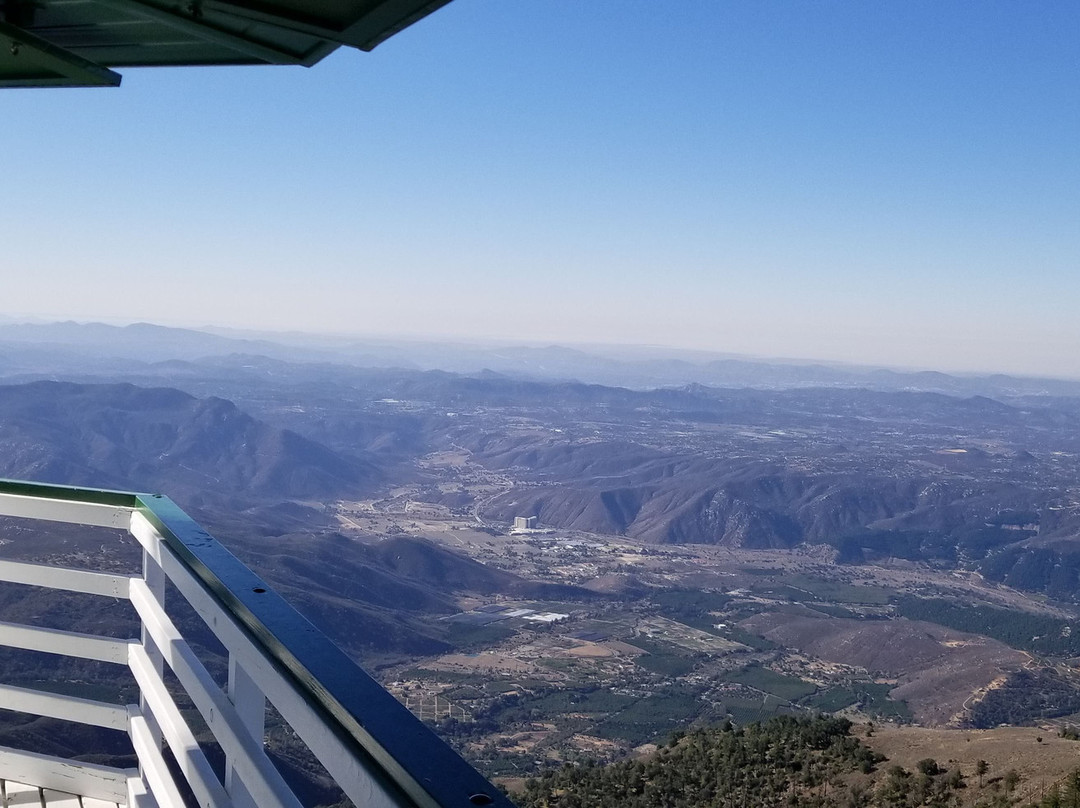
x=250 y=703
x=154 y=576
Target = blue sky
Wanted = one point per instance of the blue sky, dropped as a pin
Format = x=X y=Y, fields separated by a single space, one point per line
x=888 y=182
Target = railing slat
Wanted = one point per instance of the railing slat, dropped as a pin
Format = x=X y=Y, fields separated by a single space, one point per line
x=249 y=758
x=154 y=769
x=154 y=578
x=250 y=705
x=64 y=510
x=65 y=643
x=137 y=796
x=70 y=580
x=189 y=755
x=46 y=771
x=66 y=708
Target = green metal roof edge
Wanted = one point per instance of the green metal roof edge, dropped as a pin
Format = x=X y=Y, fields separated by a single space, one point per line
x=69 y=493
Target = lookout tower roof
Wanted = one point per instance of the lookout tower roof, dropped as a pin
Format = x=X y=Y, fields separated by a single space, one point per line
x=75 y=43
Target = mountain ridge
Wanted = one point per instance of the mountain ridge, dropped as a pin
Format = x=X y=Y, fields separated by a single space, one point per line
x=123 y=436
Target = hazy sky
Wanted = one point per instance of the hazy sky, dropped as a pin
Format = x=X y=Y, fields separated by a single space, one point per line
x=893 y=182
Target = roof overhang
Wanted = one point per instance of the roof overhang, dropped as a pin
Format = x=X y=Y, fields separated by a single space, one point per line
x=73 y=43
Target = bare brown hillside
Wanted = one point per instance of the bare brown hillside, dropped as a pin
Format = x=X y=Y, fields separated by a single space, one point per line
x=936 y=669
x=1040 y=763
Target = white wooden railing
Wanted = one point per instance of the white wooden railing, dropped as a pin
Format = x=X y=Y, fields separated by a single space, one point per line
x=375 y=750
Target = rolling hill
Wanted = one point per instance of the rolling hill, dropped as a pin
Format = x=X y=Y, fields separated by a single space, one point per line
x=161 y=439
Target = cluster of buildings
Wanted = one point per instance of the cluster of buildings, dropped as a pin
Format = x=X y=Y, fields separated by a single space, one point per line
x=494 y=613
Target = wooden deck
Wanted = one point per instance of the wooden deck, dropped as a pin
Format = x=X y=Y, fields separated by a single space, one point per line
x=20 y=794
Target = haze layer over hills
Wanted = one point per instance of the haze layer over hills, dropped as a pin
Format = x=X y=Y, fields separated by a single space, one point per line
x=33 y=348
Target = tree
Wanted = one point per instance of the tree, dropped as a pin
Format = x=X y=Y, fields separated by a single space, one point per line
x=981 y=768
x=928 y=766
x=1070 y=797
x=1052 y=798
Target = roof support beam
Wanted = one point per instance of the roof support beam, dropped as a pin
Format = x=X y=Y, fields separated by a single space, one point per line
x=252 y=12
x=382 y=22
x=205 y=32
x=65 y=67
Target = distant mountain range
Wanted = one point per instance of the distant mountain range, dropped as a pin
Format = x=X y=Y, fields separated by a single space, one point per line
x=241 y=477
x=746 y=454
x=69 y=347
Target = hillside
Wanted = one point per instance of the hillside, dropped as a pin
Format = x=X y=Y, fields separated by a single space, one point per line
x=161 y=439
x=820 y=763
x=783 y=761
x=877 y=474
x=936 y=670
x=740 y=503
